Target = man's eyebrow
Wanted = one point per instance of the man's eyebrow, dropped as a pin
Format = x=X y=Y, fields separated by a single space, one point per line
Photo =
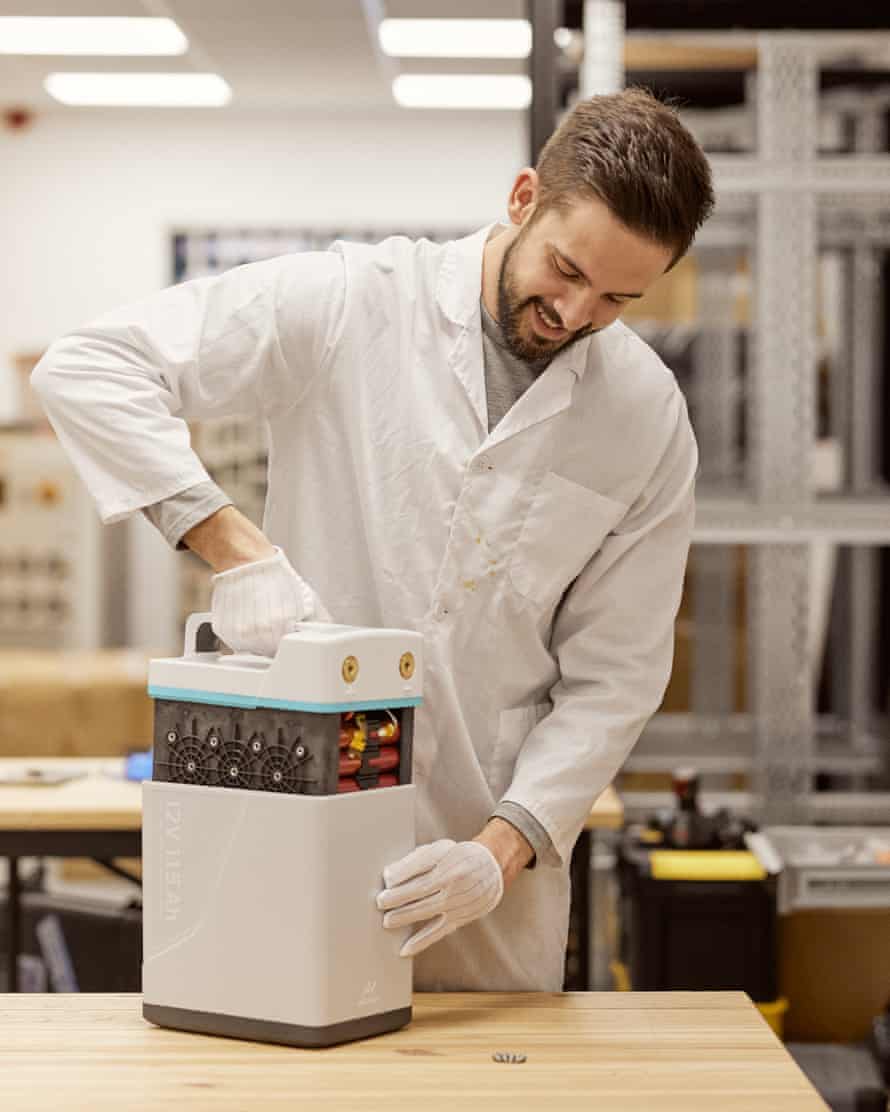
x=565 y=258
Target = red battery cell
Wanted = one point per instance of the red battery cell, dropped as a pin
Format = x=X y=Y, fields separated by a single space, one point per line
x=349 y=765
x=388 y=758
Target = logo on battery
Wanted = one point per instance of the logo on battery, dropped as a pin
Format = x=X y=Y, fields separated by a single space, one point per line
x=171 y=860
x=369 y=993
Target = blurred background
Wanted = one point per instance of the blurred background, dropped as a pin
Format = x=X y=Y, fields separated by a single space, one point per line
x=183 y=138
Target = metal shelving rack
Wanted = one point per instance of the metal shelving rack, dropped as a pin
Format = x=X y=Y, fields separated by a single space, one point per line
x=782 y=207
x=787 y=201
x=782 y=518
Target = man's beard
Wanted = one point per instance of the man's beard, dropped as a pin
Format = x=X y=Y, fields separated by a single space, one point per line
x=532 y=349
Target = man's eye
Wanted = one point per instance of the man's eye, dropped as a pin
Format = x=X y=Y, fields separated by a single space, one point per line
x=565 y=273
x=615 y=300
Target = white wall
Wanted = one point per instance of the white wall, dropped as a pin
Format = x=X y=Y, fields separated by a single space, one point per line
x=89 y=200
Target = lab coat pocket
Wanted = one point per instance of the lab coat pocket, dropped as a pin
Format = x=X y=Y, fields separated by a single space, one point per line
x=565 y=526
x=514 y=726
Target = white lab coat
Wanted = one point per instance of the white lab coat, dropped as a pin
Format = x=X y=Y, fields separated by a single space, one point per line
x=542 y=562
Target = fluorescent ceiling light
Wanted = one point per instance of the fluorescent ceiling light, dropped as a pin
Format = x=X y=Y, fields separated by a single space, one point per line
x=456 y=38
x=148 y=90
x=482 y=90
x=90 y=36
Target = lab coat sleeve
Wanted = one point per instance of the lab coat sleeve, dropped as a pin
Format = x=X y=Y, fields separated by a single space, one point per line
x=612 y=639
x=250 y=341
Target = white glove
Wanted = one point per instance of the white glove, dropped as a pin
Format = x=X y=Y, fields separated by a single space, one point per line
x=254 y=605
x=449 y=883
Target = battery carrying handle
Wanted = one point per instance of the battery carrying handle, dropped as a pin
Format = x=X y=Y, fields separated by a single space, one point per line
x=199 y=635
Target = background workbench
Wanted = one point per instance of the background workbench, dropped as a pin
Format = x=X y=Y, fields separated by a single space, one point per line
x=97 y=798
x=602 y=1051
x=97 y=814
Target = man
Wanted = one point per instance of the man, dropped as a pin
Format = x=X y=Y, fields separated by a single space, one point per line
x=463 y=442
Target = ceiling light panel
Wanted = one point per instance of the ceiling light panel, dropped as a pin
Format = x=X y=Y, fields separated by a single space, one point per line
x=90 y=36
x=455 y=38
x=480 y=91
x=139 y=90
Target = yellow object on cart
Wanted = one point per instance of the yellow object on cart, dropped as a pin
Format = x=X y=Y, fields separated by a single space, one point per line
x=705 y=864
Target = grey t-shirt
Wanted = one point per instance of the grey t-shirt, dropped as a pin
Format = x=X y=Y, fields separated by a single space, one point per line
x=176 y=515
x=506 y=377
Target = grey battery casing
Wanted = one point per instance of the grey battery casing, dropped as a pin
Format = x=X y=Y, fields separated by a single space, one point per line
x=260 y=918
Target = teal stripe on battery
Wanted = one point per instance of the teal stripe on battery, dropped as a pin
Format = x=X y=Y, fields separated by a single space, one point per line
x=221 y=699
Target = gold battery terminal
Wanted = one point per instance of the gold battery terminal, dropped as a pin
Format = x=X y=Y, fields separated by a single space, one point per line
x=350 y=669
x=406 y=666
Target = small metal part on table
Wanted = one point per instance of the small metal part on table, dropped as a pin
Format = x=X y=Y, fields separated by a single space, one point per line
x=508 y=1056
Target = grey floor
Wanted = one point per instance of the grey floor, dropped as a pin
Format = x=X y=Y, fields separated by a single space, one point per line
x=845 y=1075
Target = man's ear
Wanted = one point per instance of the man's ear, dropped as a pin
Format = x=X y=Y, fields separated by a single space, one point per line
x=523 y=196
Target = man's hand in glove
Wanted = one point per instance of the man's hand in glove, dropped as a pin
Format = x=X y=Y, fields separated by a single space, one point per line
x=446 y=884
x=255 y=604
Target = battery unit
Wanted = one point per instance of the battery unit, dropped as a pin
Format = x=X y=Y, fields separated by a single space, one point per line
x=281 y=789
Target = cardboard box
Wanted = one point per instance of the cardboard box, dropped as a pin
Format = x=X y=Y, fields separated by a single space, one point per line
x=65 y=704
x=834 y=968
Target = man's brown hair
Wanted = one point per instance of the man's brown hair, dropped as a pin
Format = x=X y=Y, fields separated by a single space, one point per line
x=633 y=153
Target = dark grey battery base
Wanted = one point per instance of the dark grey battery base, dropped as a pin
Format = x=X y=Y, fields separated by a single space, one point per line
x=261 y=1030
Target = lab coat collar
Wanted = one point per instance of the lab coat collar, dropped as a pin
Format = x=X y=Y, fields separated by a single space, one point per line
x=459 y=289
x=459 y=285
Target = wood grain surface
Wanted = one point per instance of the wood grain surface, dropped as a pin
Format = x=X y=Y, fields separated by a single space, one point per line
x=593 y=1051
x=99 y=798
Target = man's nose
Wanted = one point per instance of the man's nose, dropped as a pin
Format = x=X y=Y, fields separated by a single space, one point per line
x=575 y=309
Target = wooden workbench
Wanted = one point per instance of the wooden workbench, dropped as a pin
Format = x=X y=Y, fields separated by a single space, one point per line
x=97 y=799
x=595 y=1052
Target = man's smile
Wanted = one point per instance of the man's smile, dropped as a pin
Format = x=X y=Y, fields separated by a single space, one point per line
x=547 y=323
